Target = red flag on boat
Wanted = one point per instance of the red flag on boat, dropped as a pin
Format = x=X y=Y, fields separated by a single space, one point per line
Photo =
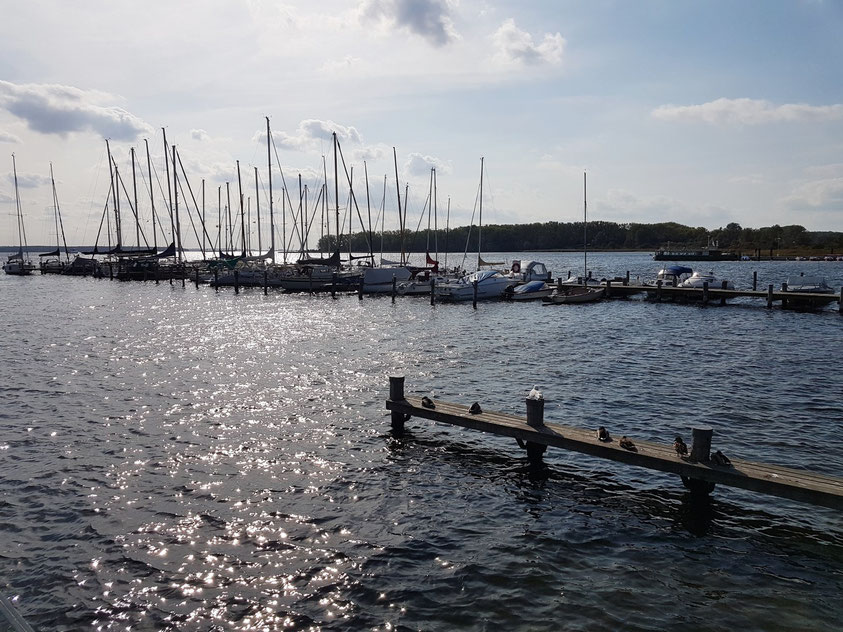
x=431 y=261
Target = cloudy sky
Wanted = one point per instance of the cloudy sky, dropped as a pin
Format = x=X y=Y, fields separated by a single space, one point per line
x=701 y=112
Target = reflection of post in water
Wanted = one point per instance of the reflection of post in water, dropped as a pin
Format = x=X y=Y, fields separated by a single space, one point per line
x=696 y=513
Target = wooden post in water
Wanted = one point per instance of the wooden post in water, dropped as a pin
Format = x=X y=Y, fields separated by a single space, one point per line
x=265 y=281
x=723 y=286
x=394 y=287
x=626 y=282
x=145 y=274
x=182 y=275
x=333 y=284
x=754 y=280
x=396 y=394
x=608 y=288
x=770 y=295
x=237 y=281
x=196 y=277
x=535 y=418
x=784 y=296
x=216 y=280
x=700 y=453
x=659 y=290
x=705 y=292
x=840 y=302
x=474 y=299
x=360 y=289
x=432 y=291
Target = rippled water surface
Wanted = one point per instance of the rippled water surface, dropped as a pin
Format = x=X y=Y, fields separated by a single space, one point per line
x=180 y=459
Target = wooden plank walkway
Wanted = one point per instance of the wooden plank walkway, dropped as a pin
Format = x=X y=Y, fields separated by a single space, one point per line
x=719 y=294
x=799 y=485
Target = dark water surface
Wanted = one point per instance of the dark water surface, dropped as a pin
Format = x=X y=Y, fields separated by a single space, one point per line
x=175 y=459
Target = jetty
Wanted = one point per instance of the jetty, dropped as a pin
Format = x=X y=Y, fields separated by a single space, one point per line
x=698 y=470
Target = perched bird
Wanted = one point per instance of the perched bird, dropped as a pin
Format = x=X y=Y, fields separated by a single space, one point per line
x=680 y=447
x=427 y=402
x=603 y=435
x=475 y=409
x=627 y=444
x=720 y=459
x=535 y=394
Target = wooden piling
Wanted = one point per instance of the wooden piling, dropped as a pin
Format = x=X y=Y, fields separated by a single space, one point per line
x=754 y=280
x=608 y=289
x=216 y=280
x=396 y=394
x=333 y=284
x=626 y=282
x=394 y=287
x=432 y=291
x=701 y=444
x=784 y=296
x=724 y=285
x=474 y=298
x=360 y=289
x=535 y=412
x=196 y=277
x=770 y=295
x=659 y=290
x=705 y=293
x=840 y=302
x=237 y=281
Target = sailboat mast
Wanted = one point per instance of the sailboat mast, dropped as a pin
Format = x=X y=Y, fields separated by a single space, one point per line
x=219 y=220
x=383 y=214
x=480 y=227
x=204 y=231
x=269 y=170
x=242 y=211
x=400 y=216
x=301 y=216
x=229 y=238
x=18 y=208
x=135 y=198
x=111 y=170
x=435 y=219
x=336 y=190
x=169 y=189
x=151 y=195
x=176 y=207
x=584 y=230
x=258 y=211
x=369 y=211
x=59 y=223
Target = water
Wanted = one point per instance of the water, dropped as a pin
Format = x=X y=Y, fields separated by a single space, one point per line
x=176 y=459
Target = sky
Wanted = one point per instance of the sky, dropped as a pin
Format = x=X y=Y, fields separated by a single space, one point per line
x=699 y=112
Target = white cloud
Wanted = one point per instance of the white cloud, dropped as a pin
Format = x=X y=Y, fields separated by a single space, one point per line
x=419 y=165
x=201 y=135
x=7 y=137
x=824 y=192
x=29 y=180
x=58 y=109
x=747 y=112
x=312 y=134
x=429 y=19
x=517 y=46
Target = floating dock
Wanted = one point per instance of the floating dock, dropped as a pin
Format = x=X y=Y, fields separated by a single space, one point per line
x=698 y=472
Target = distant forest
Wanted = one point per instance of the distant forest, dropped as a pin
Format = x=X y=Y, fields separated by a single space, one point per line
x=601 y=236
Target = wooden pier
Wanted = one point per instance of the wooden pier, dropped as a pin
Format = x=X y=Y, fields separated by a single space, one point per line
x=698 y=472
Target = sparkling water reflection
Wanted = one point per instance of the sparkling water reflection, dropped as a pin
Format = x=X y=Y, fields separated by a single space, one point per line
x=178 y=459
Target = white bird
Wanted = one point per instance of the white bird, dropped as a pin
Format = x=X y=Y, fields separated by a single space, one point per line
x=535 y=394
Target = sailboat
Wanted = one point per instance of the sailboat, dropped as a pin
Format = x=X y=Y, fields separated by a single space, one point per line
x=569 y=293
x=18 y=263
x=484 y=284
x=52 y=262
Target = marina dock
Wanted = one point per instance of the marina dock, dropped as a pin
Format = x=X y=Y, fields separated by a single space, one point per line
x=698 y=472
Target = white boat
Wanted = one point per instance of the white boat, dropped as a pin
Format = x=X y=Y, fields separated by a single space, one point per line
x=673 y=276
x=699 y=279
x=569 y=294
x=490 y=284
x=809 y=284
x=17 y=264
x=530 y=291
x=530 y=271
x=379 y=280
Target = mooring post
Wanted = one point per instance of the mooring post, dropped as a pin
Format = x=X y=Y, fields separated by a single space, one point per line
x=432 y=291
x=784 y=296
x=158 y=277
x=608 y=288
x=196 y=277
x=237 y=281
x=569 y=274
x=394 y=287
x=659 y=290
x=474 y=299
x=265 y=281
x=700 y=453
x=770 y=295
x=723 y=286
x=535 y=419
x=360 y=289
x=705 y=292
x=754 y=280
x=840 y=302
x=110 y=272
x=333 y=284
x=145 y=274
x=626 y=282
x=396 y=394
x=170 y=277
x=216 y=280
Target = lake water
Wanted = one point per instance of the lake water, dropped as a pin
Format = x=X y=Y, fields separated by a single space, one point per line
x=181 y=459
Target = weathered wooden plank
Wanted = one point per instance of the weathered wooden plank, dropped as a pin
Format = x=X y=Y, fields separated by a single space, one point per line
x=799 y=485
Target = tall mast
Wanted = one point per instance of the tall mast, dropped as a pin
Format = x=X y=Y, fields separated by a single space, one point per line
x=219 y=220
x=369 y=210
x=242 y=216
x=258 y=211
x=111 y=170
x=135 y=197
x=325 y=224
x=336 y=190
x=151 y=196
x=18 y=209
x=400 y=216
x=301 y=216
x=435 y=219
x=169 y=190
x=383 y=214
x=480 y=227
x=584 y=230
x=59 y=223
x=269 y=169
x=176 y=198
x=229 y=237
x=204 y=231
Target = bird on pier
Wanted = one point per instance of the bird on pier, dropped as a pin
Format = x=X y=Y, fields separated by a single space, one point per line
x=627 y=444
x=535 y=393
x=603 y=435
x=427 y=402
x=720 y=459
x=680 y=446
x=475 y=409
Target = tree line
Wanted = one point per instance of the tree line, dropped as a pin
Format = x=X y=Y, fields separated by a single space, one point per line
x=601 y=236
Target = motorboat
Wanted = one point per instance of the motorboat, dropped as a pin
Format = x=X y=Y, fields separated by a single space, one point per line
x=490 y=284
x=673 y=276
x=532 y=290
x=569 y=294
x=530 y=271
x=699 y=279
x=807 y=284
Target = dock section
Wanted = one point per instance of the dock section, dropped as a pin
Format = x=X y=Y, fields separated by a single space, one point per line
x=698 y=471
